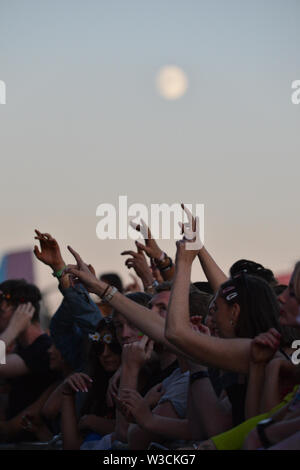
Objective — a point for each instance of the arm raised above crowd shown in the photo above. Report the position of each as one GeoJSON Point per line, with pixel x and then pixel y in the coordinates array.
{"type": "Point", "coordinates": [160, 259]}
{"type": "Point", "coordinates": [142, 317]}
{"type": "Point", "coordinates": [226, 354]}
{"type": "Point", "coordinates": [211, 269]}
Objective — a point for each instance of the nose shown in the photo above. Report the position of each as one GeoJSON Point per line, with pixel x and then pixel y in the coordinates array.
{"type": "Point", "coordinates": [282, 296]}
{"type": "Point", "coordinates": [106, 350]}
{"type": "Point", "coordinates": [155, 309]}
{"type": "Point", "coordinates": [126, 333]}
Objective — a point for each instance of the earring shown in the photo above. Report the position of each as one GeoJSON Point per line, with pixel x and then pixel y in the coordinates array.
{"type": "Point", "coordinates": [231, 322]}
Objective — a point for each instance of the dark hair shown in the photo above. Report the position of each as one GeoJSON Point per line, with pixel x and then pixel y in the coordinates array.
{"type": "Point", "coordinates": [256, 269]}
{"type": "Point", "coordinates": [204, 287]}
{"type": "Point", "coordinates": [18, 291]}
{"type": "Point", "coordinates": [259, 309]}
{"type": "Point", "coordinates": [95, 402]}
{"type": "Point", "coordinates": [279, 289]}
{"type": "Point", "coordinates": [139, 297]}
{"type": "Point", "coordinates": [113, 279]}
{"type": "Point", "coordinates": [198, 300]}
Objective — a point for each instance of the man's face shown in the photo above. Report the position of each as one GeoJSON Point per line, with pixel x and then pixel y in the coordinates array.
{"type": "Point", "coordinates": [125, 331]}
{"type": "Point", "coordinates": [159, 303]}
{"type": "Point", "coordinates": [6, 311]}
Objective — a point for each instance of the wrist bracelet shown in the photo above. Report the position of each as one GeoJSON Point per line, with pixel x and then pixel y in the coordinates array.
{"type": "Point", "coordinates": [59, 273]}
{"type": "Point", "coordinates": [201, 374]}
{"type": "Point", "coordinates": [152, 286]}
{"type": "Point", "coordinates": [107, 297]}
{"type": "Point", "coordinates": [261, 427]}
{"type": "Point", "coordinates": [106, 289]}
{"type": "Point", "coordinates": [169, 266]}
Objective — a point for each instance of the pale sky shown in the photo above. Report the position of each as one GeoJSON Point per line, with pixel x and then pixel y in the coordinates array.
{"type": "Point", "coordinates": [83, 122]}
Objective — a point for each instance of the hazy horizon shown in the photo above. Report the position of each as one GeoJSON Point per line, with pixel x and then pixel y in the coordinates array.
{"type": "Point", "coordinates": [84, 123]}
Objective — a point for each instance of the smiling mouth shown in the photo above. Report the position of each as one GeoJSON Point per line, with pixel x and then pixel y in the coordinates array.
{"type": "Point", "coordinates": [131, 341]}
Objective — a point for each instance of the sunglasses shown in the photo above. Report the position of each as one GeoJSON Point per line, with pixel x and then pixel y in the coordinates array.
{"type": "Point", "coordinates": [100, 340]}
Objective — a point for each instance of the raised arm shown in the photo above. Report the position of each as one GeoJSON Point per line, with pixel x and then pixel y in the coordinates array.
{"type": "Point", "coordinates": [226, 354]}
{"type": "Point", "coordinates": [143, 318]}
{"type": "Point", "coordinates": [49, 252]}
{"type": "Point", "coordinates": [212, 271]}
{"type": "Point", "coordinates": [77, 306]}
{"type": "Point", "coordinates": [161, 260]}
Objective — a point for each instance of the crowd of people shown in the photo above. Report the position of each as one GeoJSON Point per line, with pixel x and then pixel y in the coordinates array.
{"type": "Point", "coordinates": [160, 362]}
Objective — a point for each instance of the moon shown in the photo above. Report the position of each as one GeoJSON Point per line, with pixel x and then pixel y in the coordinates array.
{"type": "Point", "coordinates": [171, 82]}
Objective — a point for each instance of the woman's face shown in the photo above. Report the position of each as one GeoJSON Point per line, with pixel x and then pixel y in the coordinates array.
{"type": "Point", "coordinates": [56, 361]}
{"type": "Point", "coordinates": [289, 306]}
{"type": "Point", "coordinates": [109, 360]}
{"type": "Point", "coordinates": [224, 317]}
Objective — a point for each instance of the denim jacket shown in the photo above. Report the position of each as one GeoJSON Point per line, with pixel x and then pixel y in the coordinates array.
{"type": "Point", "coordinates": [75, 318]}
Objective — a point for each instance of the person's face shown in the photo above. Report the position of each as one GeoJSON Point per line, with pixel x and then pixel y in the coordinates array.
{"type": "Point", "coordinates": [289, 306]}
{"type": "Point", "coordinates": [126, 332]}
{"type": "Point", "coordinates": [159, 303]}
{"type": "Point", "coordinates": [6, 311]}
{"type": "Point", "coordinates": [56, 361]}
{"type": "Point", "coordinates": [109, 360]}
{"type": "Point", "coordinates": [224, 317]}
{"type": "Point", "coordinates": [209, 322]}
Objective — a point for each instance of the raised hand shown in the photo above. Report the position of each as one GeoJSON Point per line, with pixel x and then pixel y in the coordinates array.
{"type": "Point", "coordinates": [264, 346]}
{"type": "Point", "coordinates": [139, 263]}
{"type": "Point", "coordinates": [84, 272]}
{"type": "Point", "coordinates": [151, 247]}
{"type": "Point", "coordinates": [49, 252]}
{"type": "Point", "coordinates": [191, 231]}
{"type": "Point", "coordinates": [188, 248]}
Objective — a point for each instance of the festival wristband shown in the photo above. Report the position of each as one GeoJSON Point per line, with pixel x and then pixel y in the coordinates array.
{"type": "Point", "coordinates": [59, 273]}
